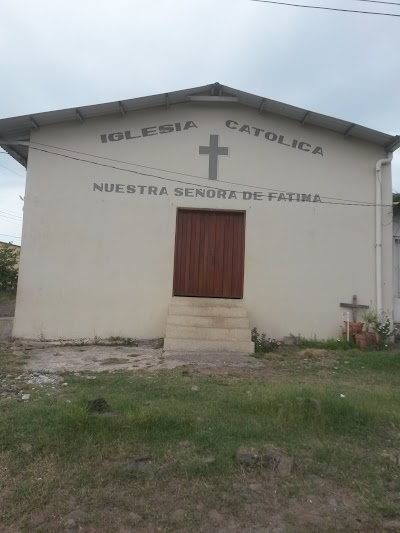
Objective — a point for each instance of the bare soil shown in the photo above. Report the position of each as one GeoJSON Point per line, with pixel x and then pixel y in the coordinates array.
{"type": "Point", "coordinates": [57, 358]}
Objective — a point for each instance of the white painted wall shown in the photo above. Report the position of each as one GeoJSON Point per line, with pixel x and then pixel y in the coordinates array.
{"type": "Point", "coordinates": [97, 263]}
{"type": "Point", "coordinates": [396, 265]}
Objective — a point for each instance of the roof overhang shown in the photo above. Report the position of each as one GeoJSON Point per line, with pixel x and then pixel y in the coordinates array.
{"type": "Point", "coordinates": [18, 129]}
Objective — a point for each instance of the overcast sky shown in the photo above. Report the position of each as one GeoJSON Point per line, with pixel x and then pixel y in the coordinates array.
{"type": "Point", "coordinates": [68, 54]}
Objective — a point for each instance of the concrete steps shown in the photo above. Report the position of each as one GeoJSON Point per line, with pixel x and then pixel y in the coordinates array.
{"type": "Point", "coordinates": [208, 325]}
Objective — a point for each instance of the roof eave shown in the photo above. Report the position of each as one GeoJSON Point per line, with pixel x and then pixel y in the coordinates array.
{"type": "Point", "coordinates": [19, 128]}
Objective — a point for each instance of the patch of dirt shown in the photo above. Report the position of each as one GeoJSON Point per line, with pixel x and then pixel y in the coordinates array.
{"type": "Point", "coordinates": [251, 506]}
{"type": "Point", "coordinates": [7, 308]}
{"type": "Point", "coordinates": [55, 358]}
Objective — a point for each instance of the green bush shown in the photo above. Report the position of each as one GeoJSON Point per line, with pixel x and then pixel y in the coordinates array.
{"type": "Point", "coordinates": [262, 343]}
{"type": "Point", "coordinates": [8, 269]}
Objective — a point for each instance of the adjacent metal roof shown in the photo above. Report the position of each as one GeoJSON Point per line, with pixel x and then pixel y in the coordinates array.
{"type": "Point", "coordinates": [19, 128]}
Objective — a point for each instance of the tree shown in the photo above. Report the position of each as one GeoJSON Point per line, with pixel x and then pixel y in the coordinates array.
{"type": "Point", "coordinates": [8, 268]}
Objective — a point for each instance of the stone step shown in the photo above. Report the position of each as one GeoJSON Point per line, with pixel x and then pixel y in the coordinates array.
{"type": "Point", "coordinates": [222, 311]}
{"type": "Point", "coordinates": [210, 334]}
{"type": "Point", "coordinates": [206, 302]}
{"type": "Point", "coordinates": [216, 321]}
{"type": "Point", "coordinates": [198, 345]}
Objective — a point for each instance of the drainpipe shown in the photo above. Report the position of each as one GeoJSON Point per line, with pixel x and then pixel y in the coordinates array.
{"type": "Point", "coordinates": [378, 230]}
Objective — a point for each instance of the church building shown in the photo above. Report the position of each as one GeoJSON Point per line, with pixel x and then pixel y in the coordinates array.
{"type": "Point", "coordinates": [197, 215]}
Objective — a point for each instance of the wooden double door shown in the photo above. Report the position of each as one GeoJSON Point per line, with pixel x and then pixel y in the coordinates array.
{"type": "Point", "coordinates": [209, 253]}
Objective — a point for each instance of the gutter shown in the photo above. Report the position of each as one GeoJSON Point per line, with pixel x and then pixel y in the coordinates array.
{"type": "Point", "coordinates": [378, 230]}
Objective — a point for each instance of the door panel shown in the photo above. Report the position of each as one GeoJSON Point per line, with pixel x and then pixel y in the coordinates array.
{"type": "Point", "coordinates": [209, 254]}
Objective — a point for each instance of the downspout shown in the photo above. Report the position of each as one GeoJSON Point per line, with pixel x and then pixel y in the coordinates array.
{"type": "Point", "coordinates": [378, 230]}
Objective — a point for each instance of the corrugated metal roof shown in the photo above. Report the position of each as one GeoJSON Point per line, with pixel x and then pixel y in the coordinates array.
{"type": "Point", "coordinates": [19, 128]}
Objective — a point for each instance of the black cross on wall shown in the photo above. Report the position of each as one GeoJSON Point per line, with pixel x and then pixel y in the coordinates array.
{"type": "Point", "coordinates": [213, 151]}
{"type": "Point", "coordinates": [354, 306]}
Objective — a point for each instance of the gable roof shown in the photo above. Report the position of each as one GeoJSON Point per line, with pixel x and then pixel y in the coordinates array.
{"type": "Point", "coordinates": [17, 129]}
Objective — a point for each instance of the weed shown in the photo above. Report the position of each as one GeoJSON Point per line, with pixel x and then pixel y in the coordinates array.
{"type": "Point", "coordinates": [328, 344]}
{"type": "Point", "coordinates": [262, 343]}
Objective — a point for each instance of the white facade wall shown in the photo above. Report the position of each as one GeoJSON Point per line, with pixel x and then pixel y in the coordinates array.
{"type": "Point", "coordinates": [101, 263]}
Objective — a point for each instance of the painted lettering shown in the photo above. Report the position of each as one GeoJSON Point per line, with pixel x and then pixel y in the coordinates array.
{"type": "Point", "coordinates": [153, 190]}
{"type": "Point", "coordinates": [283, 140]}
{"type": "Point", "coordinates": [232, 124]}
{"type": "Point", "coordinates": [221, 194]}
{"type": "Point", "coordinates": [128, 135]}
{"type": "Point", "coordinates": [109, 187]}
{"type": "Point", "coordinates": [97, 187]}
{"type": "Point", "coordinates": [131, 189]}
{"type": "Point", "coordinates": [166, 128]}
{"type": "Point", "coordinates": [189, 124]}
{"type": "Point", "coordinates": [115, 136]}
{"type": "Point", "coordinates": [146, 132]}
{"type": "Point", "coordinates": [178, 191]}
{"type": "Point", "coordinates": [245, 128]}
{"type": "Point", "coordinates": [280, 140]}
{"type": "Point", "coordinates": [302, 145]}
{"type": "Point", "coordinates": [103, 138]}
{"type": "Point", "coordinates": [270, 136]}
{"type": "Point", "coordinates": [119, 187]}
{"type": "Point", "coordinates": [317, 198]}
{"type": "Point", "coordinates": [318, 150]}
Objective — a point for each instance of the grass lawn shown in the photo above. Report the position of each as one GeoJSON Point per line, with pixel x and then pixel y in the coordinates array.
{"type": "Point", "coordinates": [165, 459]}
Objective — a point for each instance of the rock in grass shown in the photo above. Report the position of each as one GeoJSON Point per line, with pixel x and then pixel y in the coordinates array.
{"type": "Point", "coordinates": [142, 463]}
{"type": "Point", "coordinates": [247, 457]}
{"type": "Point", "coordinates": [278, 462]}
{"type": "Point", "coordinates": [98, 405]}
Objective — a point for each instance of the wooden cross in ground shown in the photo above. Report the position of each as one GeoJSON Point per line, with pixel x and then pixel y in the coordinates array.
{"type": "Point", "coordinates": [354, 306]}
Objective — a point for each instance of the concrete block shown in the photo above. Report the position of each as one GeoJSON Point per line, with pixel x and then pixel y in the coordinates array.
{"type": "Point", "coordinates": [209, 321]}
{"type": "Point", "coordinates": [198, 345]}
{"type": "Point", "coordinates": [233, 312]}
{"type": "Point", "coordinates": [218, 334]}
{"type": "Point", "coordinates": [208, 302]}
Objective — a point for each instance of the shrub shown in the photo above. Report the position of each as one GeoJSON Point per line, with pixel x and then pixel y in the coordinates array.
{"type": "Point", "coordinates": [8, 269]}
{"type": "Point", "coordinates": [262, 343]}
